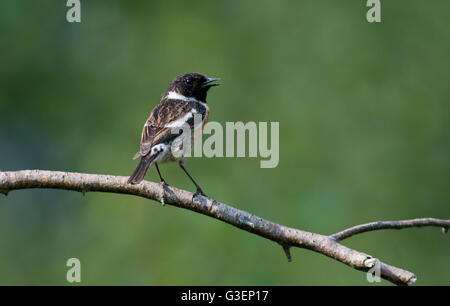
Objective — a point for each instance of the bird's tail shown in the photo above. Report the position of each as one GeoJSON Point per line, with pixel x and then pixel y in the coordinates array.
{"type": "Point", "coordinates": [141, 170]}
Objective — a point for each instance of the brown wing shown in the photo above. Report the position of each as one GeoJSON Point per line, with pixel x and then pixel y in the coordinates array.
{"type": "Point", "coordinates": [155, 130]}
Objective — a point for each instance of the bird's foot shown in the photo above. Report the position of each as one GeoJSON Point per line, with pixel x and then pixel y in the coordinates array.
{"type": "Point", "coordinates": [198, 192]}
{"type": "Point", "coordinates": [164, 185]}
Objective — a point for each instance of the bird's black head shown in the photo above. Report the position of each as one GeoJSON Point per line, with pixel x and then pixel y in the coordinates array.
{"type": "Point", "coordinates": [192, 85]}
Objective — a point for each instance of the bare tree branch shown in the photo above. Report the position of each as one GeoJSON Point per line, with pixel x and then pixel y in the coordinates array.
{"type": "Point", "coordinates": [379, 225]}
{"type": "Point", "coordinates": [285, 236]}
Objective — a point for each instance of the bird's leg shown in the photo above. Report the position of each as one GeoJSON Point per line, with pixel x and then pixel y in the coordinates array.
{"type": "Point", "coordinates": [199, 190]}
{"type": "Point", "coordinates": [163, 184]}
{"type": "Point", "coordinates": [162, 181]}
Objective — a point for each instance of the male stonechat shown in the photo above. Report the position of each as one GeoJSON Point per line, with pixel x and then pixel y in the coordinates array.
{"type": "Point", "coordinates": [161, 142]}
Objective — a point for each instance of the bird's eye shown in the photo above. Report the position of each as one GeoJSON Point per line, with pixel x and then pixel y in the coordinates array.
{"type": "Point", "coordinates": [188, 81]}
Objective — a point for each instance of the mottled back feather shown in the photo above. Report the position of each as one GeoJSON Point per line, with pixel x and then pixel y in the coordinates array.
{"type": "Point", "coordinates": [166, 112]}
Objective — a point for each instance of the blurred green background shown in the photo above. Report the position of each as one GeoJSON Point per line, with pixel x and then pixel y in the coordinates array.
{"type": "Point", "coordinates": [364, 136]}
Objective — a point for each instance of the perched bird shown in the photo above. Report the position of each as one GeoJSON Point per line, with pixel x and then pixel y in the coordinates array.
{"type": "Point", "coordinates": [162, 138]}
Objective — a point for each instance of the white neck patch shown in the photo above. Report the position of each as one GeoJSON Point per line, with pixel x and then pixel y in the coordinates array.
{"type": "Point", "coordinates": [176, 96]}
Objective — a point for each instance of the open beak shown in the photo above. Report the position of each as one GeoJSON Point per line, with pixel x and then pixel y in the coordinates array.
{"type": "Point", "coordinates": [209, 82]}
